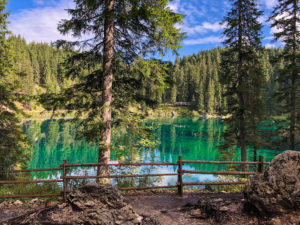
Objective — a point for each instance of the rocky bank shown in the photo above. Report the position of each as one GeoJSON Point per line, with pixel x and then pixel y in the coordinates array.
{"type": "Point", "coordinates": [277, 190]}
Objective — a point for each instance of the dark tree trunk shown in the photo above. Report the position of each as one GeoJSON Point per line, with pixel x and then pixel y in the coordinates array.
{"type": "Point", "coordinates": [242, 133]}
{"type": "Point", "coordinates": [254, 130]}
{"type": "Point", "coordinates": [294, 79]}
{"type": "Point", "coordinates": [108, 53]}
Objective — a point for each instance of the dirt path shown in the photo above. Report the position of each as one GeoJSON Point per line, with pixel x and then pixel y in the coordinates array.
{"type": "Point", "coordinates": [169, 208]}
{"type": "Point", "coordinates": [156, 208]}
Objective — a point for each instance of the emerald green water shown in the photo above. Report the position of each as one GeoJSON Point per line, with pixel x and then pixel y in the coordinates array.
{"type": "Point", "coordinates": [194, 139]}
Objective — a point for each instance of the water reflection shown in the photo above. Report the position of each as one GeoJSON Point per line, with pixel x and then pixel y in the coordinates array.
{"type": "Point", "coordinates": [194, 139]}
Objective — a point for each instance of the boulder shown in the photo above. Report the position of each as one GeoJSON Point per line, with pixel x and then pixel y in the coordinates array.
{"type": "Point", "coordinates": [102, 204]}
{"type": "Point", "coordinates": [277, 190]}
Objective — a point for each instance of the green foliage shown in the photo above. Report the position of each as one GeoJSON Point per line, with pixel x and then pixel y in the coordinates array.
{"type": "Point", "coordinates": [12, 140]}
{"type": "Point", "coordinates": [196, 80]}
{"type": "Point", "coordinates": [286, 19]}
{"type": "Point", "coordinates": [141, 29]}
{"type": "Point", "coordinates": [242, 75]}
{"type": "Point", "coordinates": [228, 188]}
{"type": "Point", "coordinates": [37, 69]}
{"type": "Point", "coordinates": [29, 189]}
{"type": "Point", "coordinates": [187, 80]}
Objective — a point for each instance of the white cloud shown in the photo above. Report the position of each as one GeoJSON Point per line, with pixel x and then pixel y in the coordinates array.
{"type": "Point", "coordinates": [212, 26]}
{"type": "Point", "coordinates": [269, 38]}
{"type": "Point", "coordinates": [40, 24]}
{"type": "Point", "coordinates": [205, 40]}
{"type": "Point", "coordinates": [270, 3]}
{"type": "Point", "coordinates": [197, 14]}
{"type": "Point", "coordinates": [263, 20]}
{"type": "Point", "coordinates": [203, 28]}
{"type": "Point", "coordinates": [286, 15]}
{"type": "Point", "coordinates": [45, 2]}
{"type": "Point", "coordinates": [39, 2]}
{"type": "Point", "coordinates": [174, 5]}
{"type": "Point", "coordinates": [269, 45]}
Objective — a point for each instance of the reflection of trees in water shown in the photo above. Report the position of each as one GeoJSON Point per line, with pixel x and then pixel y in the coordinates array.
{"type": "Point", "coordinates": [273, 144]}
{"type": "Point", "coordinates": [119, 182]}
{"type": "Point", "coordinates": [194, 139]}
{"type": "Point", "coordinates": [54, 141]}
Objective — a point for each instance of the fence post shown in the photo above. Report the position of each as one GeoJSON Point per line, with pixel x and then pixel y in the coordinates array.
{"type": "Point", "coordinates": [261, 164]}
{"type": "Point", "coordinates": [179, 181]}
{"type": "Point", "coordinates": [64, 180]}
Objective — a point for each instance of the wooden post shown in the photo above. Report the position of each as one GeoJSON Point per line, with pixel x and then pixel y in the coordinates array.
{"type": "Point", "coordinates": [261, 164]}
{"type": "Point", "coordinates": [179, 181]}
{"type": "Point", "coordinates": [64, 180]}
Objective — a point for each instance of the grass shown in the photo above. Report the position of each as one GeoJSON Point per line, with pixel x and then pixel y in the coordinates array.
{"type": "Point", "coordinates": [29, 189]}
{"type": "Point", "coordinates": [234, 188]}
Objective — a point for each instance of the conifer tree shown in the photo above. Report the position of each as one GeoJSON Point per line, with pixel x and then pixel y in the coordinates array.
{"type": "Point", "coordinates": [12, 140]}
{"type": "Point", "coordinates": [120, 32]}
{"type": "Point", "coordinates": [242, 74]}
{"type": "Point", "coordinates": [286, 19]}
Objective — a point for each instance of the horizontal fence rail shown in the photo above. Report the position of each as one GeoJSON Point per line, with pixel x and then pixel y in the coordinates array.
{"type": "Point", "coordinates": [218, 172]}
{"type": "Point", "coordinates": [28, 170]}
{"type": "Point", "coordinates": [223, 162]}
{"type": "Point", "coordinates": [120, 164]}
{"type": "Point", "coordinates": [146, 188]}
{"type": "Point", "coordinates": [65, 178]}
{"type": "Point", "coordinates": [29, 181]}
{"type": "Point", "coordinates": [120, 176]}
{"type": "Point", "coordinates": [30, 196]}
{"type": "Point", "coordinates": [214, 183]}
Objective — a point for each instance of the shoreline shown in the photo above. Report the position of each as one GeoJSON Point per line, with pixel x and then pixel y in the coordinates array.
{"type": "Point", "coordinates": [170, 112]}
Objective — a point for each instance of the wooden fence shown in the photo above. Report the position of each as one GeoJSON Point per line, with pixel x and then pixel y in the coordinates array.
{"type": "Point", "coordinates": [64, 168]}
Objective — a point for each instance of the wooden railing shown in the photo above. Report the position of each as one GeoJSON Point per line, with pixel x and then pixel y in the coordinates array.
{"type": "Point", "coordinates": [64, 168]}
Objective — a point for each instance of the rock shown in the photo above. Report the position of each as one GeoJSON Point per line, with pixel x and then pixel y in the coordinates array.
{"type": "Point", "coordinates": [275, 221]}
{"type": "Point", "coordinates": [150, 221]}
{"type": "Point", "coordinates": [61, 206]}
{"type": "Point", "coordinates": [4, 204]}
{"type": "Point", "coordinates": [102, 204]}
{"type": "Point", "coordinates": [102, 194]}
{"type": "Point", "coordinates": [277, 190]}
{"type": "Point", "coordinates": [18, 203]}
{"type": "Point", "coordinates": [224, 208]}
{"type": "Point", "coordinates": [49, 204]}
{"type": "Point", "coordinates": [196, 213]}
{"type": "Point", "coordinates": [218, 200]}
{"type": "Point", "coordinates": [37, 203]}
{"type": "Point", "coordinates": [217, 209]}
{"type": "Point", "coordinates": [56, 217]}
{"type": "Point", "coordinates": [33, 201]}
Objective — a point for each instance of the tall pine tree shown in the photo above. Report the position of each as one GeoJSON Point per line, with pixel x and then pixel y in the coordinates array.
{"type": "Point", "coordinates": [286, 19]}
{"type": "Point", "coordinates": [242, 74]}
{"type": "Point", "coordinates": [12, 140]}
{"type": "Point", "coordinates": [119, 33]}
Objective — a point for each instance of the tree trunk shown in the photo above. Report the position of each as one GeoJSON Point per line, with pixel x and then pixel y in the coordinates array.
{"type": "Point", "coordinates": [294, 79]}
{"type": "Point", "coordinates": [108, 53]}
{"type": "Point", "coordinates": [242, 133]}
{"type": "Point", "coordinates": [255, 157]}
{"type": "Point", "coordinates": [293, 112]}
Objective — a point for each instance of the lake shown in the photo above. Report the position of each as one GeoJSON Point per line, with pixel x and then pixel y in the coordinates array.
{"type": "Point", "coordinates": [194, 139]}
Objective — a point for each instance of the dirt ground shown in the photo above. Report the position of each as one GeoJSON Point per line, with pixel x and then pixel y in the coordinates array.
{"type": "Point", "coordinates": [165, 208]}
{"type": "Point", "coordinates": [217, 208]}
{"type": "Point", "coordinates": [169, 208]}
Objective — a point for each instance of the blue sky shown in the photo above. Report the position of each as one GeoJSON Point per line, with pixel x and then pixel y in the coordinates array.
{"type": "Point", "coordinates": [36, 20]}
